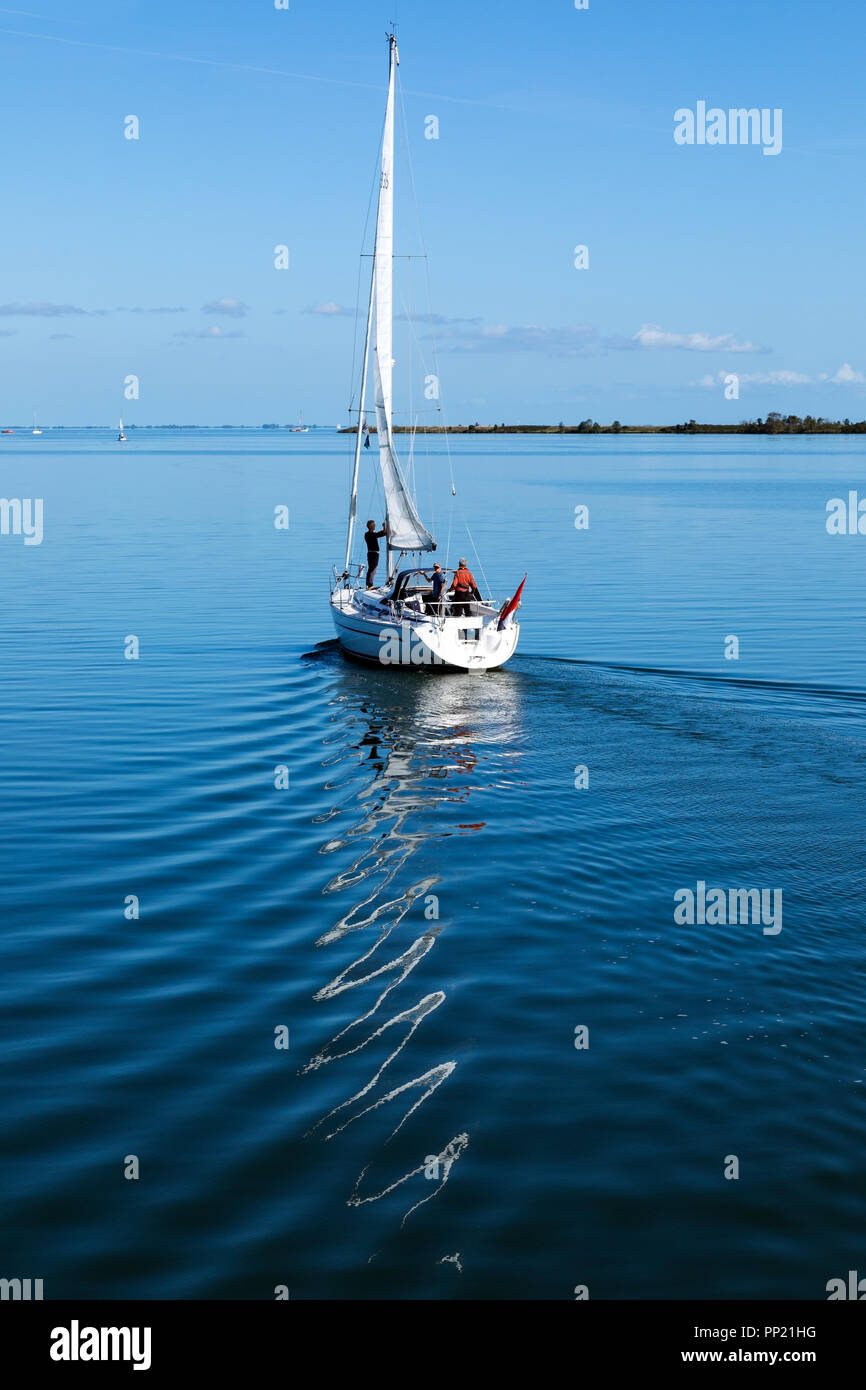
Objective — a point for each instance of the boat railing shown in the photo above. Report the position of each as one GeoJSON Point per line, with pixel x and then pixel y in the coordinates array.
{"type": "Point", "coordinates": [343, 579]}
{"type": "Point", "coordinates": [483, 608]}
{"type": "Point", "coordinates": [398, 609]}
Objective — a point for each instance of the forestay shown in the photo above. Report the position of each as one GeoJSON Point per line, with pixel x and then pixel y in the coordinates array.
{"type": "Point", "coordinates": [406, 530]}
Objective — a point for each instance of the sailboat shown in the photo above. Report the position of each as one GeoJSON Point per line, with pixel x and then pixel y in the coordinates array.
{"type": "Point", "coordinates": [300, 427]}
{"type": "Point", "coordinates": [36, 429]}
{"type": "Point", "coordinates": [121, 437]}
{"type": "Point", "coordinates": [398, 624]}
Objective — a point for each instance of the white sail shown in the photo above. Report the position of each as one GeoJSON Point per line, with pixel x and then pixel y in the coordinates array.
{"type": "Point", "coordinates": [406, 531]}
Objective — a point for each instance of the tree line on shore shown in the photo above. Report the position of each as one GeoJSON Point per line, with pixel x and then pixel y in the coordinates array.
{"type": "Point", "coordinates": [775, 423]}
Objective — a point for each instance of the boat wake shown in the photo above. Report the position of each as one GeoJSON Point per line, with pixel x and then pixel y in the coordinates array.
{"type": "Point", "coordinates": [713, 678]}
{"type": "Point", "coordinates": [404, 764]}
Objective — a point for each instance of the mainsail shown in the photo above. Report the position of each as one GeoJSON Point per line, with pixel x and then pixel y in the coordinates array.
{"type": "Point", "coordinates": [406, 531]}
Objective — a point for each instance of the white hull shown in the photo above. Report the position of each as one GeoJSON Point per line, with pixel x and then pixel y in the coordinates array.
{"type": "Point", "coordinates": [400, 636]}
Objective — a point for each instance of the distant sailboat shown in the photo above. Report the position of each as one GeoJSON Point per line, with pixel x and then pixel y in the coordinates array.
{"type": "Point", "coordinates": [36, 429]}
{"type": "Point", "coordinates": [300, 427]}
{"type": "Point", "coordinates": [401, 622]}
{"type": "Point", "coordinates": [121, 437]}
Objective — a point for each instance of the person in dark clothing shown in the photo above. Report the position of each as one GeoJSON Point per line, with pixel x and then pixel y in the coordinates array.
{"type": "Point", "coordinates": [464, 589]}
{"type": "Point", "coordinates": [437, 579]}
{"type": "Point", "coordinates": [371, 536]}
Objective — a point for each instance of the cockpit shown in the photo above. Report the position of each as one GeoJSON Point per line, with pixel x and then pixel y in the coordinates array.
{"type": "Point", "coordinates": [404, 588]}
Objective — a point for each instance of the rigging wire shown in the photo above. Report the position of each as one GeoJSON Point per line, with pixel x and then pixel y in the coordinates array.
{"type": "Point", "coordinates": [421, 354]}
{"type": "Point", "coordinates": [434, 344]}
{"type": "Point", "coordinates": [355, 385]}
{"type": "Point", "coordinates": [475, 553]}
{"type": "Point", "coordinates": [407, 301]}
{"type": "Point", "coordinates": [358, 317]}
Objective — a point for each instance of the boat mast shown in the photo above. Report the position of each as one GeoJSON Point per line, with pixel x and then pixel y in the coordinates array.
{"type": "Point", "coordinates": [383, 274]}
{"type": "Point", "coordinates": [375, 278]}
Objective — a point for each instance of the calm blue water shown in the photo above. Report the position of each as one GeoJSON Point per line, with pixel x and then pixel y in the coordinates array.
{"type": "Point", "coordinates": [432, 907]}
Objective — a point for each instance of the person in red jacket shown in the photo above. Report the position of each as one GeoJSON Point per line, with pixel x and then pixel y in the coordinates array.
{"type": "Point", "coordinates": [463, 590]}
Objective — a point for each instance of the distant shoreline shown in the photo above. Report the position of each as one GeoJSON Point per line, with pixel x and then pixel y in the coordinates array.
{"type": "Point", "coordinates": [774, 424]}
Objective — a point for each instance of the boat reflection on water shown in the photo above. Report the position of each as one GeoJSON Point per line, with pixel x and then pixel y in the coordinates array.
{"type": "Point", "coordinates": [405, 759]}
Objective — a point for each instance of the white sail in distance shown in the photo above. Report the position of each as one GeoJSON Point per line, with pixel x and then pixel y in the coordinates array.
{"type": "Point", "coordinates": [406, 531]}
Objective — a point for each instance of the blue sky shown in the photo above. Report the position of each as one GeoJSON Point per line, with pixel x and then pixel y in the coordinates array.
{"type": "Point", "coordinates": [259, 127]}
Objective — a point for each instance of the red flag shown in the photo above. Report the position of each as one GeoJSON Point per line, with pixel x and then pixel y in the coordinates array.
{"type": "Point", "coordinates": [509, 607]}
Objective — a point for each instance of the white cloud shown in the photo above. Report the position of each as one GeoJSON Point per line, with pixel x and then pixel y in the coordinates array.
{"type": "Point", "coordinates": [781, 377]}
{"type": "Point", "coordinates": [212, 332]}
{"type": "Point", "coordinates": [330, 309]}
{"type": "Point", "coordinates": [235, 308]}
{"type": "Point", "coordinates": [778, 377]}
{"type": "Point", "coordinates": [650, 335]}
{"type": "Point", "coordinates": [574, 341]}
{"type": "Point", "coordinates": [846, 376]}
{"type": "Point", "coordinates": [579, 340]}
{"type": "Point", "coordinates": [48, 311]}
